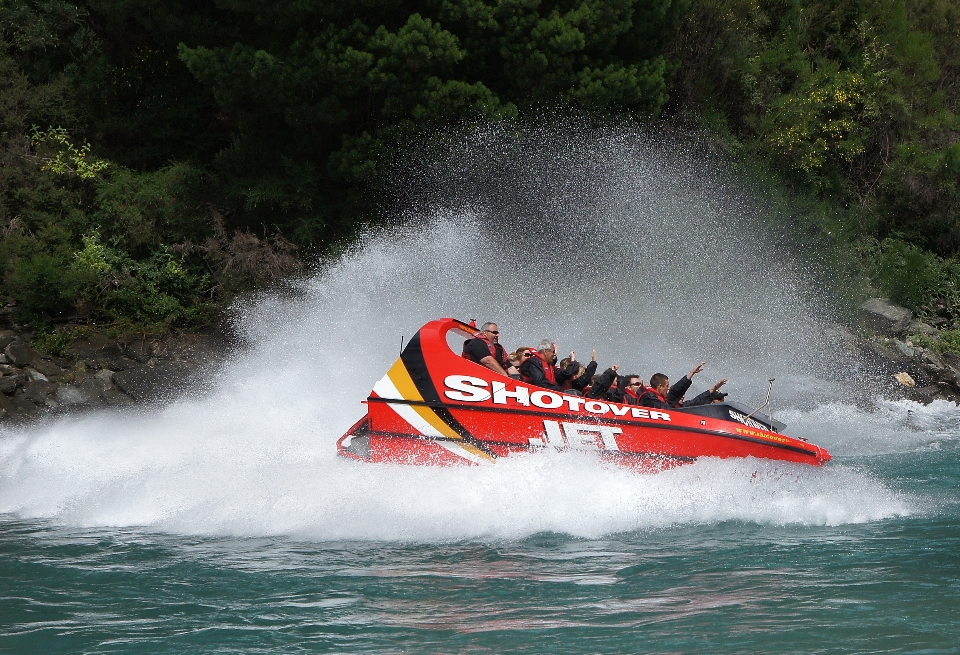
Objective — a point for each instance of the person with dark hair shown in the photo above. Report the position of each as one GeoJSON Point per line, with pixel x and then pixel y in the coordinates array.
{"type": "Point", "coordinates": [485, 349]}
{"type": "Point", "coordinates": [633, 389]}
{"type": "Point", "coordinates": [661, 395]}
{"type": "Point", "coordinates": [611, 386]}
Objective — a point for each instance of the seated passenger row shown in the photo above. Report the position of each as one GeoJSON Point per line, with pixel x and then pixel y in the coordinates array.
{"type": "Point", "coordinates": [537, 366]}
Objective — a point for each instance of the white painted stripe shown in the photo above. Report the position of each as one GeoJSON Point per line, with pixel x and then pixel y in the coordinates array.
{"type": "Point", "coordinates": [386, 389]}
{"type": "Point", "coordinates": [460, 451]}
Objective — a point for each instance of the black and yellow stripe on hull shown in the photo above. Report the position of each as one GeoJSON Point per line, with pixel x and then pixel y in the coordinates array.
{"type": "Point", "coordinates": [411, 378]}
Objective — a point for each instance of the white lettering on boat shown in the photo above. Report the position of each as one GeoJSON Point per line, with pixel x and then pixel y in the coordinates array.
{"type": "Point", "coordinates": [554, 435]}
{"type": "Point", "coordinates": [596, 407]}
{"type": "Point", "coordinates": [500, 394]}
{"type": "Point", "coordinates": [746, 420]}
{"type": "Point", "coordinates": [546, 399]}
{"type": "Point", "coordinates": [579, 436]}
{"type": "Point", "coordinates": [573, 402]}
{"type": "Point", "coordinates": [465, 388]}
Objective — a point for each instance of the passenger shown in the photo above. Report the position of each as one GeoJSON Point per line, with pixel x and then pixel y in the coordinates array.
{"type": "Point", "coordinates": [485, 349]}
{"type": "Point", "coordinates": [708, 397]}
{"type": "Point", "coordinates": [661, 395]}
{"type": "Point", "coordinates": [608, 386]}
{"type": "Point", "coordinates": [632, 390]}
{"type": "Point", "coordinates": [583, 374]}
{"type": "Point", "coordinates": [540, 370]}
{"type": "Point", "coordinates": [514, 359]}
{"type": "Point", "coordinates": [517, 358]}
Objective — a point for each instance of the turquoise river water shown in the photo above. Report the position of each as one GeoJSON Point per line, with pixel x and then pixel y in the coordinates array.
{"type": "Point", "coordinates": [222, 520]}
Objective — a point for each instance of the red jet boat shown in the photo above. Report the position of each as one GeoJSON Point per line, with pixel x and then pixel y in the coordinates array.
{"type": "Point", "coordinates": [435, 407]}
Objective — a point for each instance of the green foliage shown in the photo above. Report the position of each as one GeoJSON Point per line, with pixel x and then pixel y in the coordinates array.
{"type": "Point", "coordinates": [157, 156]}
{"type": "Point", "coordinates": [157, 289]}
{"type": "Point", "coordinates": [949, 342]}
{"type": "Point", "coordinates": [328, 96]}
{"type": "Point", "coordinates": [917, 278]}
{"type": "Point", "coordinates": [43, 285]}
{"type": "Point", "coordinates": [856, 102]}
{"type": "Point", "coordinates": [66, 159]}
{"type": "Point", "coordinates": [53, 342]}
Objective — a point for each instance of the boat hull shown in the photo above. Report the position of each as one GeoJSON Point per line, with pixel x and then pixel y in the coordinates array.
{"type": "Point", "coordinates": [435, 408]}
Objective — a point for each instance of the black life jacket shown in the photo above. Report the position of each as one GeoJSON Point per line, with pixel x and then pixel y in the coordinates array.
{"type": "Point", "coordinates": [496, 350]}
{"type": "Point", "coordinates": [548, 371]}
{"type": "Point", "coordinates": [648, 390]}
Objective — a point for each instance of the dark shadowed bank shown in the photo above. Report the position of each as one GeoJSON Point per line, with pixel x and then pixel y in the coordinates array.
{"type": "Point", "coordinates": [100, 369]}
{"type": "Point", "coordinates": [899, 357]}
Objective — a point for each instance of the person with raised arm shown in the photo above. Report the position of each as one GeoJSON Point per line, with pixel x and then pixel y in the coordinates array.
{"type": "Point", "coordinates": [581, 375]}
{"type": "Point", "coordinates": [661, 395]}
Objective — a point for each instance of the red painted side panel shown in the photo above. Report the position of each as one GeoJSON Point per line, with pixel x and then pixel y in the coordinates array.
{"type": "Point", "coordinates": [500, 415]}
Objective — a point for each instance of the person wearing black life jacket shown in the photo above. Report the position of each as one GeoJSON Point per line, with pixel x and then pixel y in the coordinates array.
{"type": "Point", "coordinates": [606, 386]}
{"type": "Point", "coordinates": [661, 395]}
{"type": "Point", "coordinates": [582, 376]}
{"type": "Point", "coordinates": [485, 349]}
{"type": "Point", "coordinates": [540, 370]}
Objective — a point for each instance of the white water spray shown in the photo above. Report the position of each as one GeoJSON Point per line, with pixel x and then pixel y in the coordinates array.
{"type": "Point", "coordinates": [604, 239]}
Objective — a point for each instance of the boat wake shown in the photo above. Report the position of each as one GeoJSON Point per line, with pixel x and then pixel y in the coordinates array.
{"type": "Point", "coordinates": [653, 264]}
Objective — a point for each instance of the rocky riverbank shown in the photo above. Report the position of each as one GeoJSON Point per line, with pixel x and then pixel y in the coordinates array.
{"type": "Point", "coordinates": [97, 370]}
{"type": "Point", "coordinates": [907, 354]}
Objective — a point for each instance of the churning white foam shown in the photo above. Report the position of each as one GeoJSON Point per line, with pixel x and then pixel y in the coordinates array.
{"type": "Point", "coordinates": [255, 454]}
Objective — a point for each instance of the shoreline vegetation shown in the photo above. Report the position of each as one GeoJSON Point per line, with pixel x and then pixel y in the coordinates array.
{"type": "Point", "coordinates": [44, 375]}
{"type": "Point", "coordinates": [157, 159]}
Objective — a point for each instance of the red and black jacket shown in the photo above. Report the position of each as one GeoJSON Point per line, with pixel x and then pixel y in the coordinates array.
{"type": "Point", "coordinates": [652, 398]}
{"type": "Point", "coordinates": [538, 372]}
{"type": "Point", "coordinates": [495, 349]}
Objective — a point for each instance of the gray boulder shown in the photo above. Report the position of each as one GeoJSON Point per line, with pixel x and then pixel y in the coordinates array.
{"type": "Point", "coordinates": [105, 376]}
{"type": "Point", "coordinates": [9, 384]}
{"type": "Point", "coordinates": [148, 383]}
{"type": "Point", "coordinates": [881, 315]}
{"type": "Point", "coordinates": [138, 350]}
{"type": "Point", "coordinates": [20, 354]}
{"type": "Point", "coordinates": [33, 375]}
{"type": "Point", "coordinates": [932, 359]}
{"type": "Point", "coordinates": [905, 350]}
{"type": "Point", "coordinates": [39, 390]}
{"type": "Point", "coordinates": [47, 367]}
{"type": "Point", "coordinates": [918, 327]}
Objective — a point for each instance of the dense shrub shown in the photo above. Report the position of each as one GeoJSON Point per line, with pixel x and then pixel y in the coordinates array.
{"type": "Point", "coordinates": [157, 156]}
{"type": "Point", "coordinates": [918, 279]}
